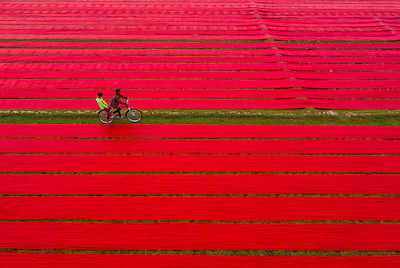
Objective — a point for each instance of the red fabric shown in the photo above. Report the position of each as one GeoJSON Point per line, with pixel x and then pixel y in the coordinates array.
{"type": "Point", "coordinates": [245, 75]}
{"type": "Point", "coordinates": [161, 66]}
{"type": "Point", "coordinates": [178, 184]}
{"type": "Point", "coordinates": [230, 104]}
{"type": "Point", "coordinates": [197, 131]}
{"type": "Point", "coordinates": [164, 146]}
{"type": "Point", "coordinates": [199, 52]}
{"type": "Point", "coordinates": [12, 260]}
{"type": "Point", "coordinates": [208, 93]}
{"type": "Point", "coordinates": [118, 36]}
{"type": "Point", "coordinates": [201, 59]}
{"type": "Point", "coordinates": [153, 45]}
{"type": "Point", "coordinates": [229, 209]}
{"type": "Point", "coordinates": [156, 58]}
{"type": "Point", "coordinates": [200, 236]}
{"type": "Point", "coordinates": [203, 163]}
{"type": "Point", "coordinates": [250, 66]}
{"type": "Point", "coordinates": [181, 75]}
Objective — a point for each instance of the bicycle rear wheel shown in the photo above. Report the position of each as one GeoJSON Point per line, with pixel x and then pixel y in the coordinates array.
{"type": "Point", "coordinates": [134, 115]}
{"type": "Point", "coordinates": [103, 117]}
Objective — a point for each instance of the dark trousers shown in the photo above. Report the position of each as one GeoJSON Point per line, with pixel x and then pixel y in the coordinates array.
{"type": "Point", "coordinates": [118, 111]}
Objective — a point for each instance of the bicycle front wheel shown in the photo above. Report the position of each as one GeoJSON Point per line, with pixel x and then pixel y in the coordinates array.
{"type": "Point", "coordinates": [134, 115]}
{"type": "Point", "coordinates": [103, 117]}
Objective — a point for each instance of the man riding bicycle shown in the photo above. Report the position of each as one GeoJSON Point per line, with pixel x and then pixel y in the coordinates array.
{"type": "Point", "coordinates": [116, 100]}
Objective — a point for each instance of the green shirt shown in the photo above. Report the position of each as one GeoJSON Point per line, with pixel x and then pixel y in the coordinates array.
{"type": "Point", "coordinates": [102, 103]}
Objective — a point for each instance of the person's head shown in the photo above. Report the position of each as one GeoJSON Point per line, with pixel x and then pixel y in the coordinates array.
{"type": "Point", "coordinates": [117, 91]}
{"type": "Point", "coordinates": [100, 95]}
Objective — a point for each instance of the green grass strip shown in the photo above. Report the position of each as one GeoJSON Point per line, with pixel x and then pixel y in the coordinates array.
{"type": "Point", "coordinates": [307, 116]}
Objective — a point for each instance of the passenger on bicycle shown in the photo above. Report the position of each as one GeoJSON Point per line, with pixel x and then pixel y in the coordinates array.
{"type": "Point", "coordinates": [116, 100]}
{"type": "Point", "coordinates": [103, 105]}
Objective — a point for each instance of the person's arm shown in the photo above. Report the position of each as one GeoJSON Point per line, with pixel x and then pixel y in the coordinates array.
{"type": "Point", "coordinates": [105, 104]}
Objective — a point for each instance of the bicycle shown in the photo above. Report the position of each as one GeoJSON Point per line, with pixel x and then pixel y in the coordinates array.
{"type": "Point", "coordinates": [132, 114]}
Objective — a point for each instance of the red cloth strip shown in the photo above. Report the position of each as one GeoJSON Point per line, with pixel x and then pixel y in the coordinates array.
{"type": "Point", "coordinates": [198, 52]}
{"type": "Point", "coordinates": [339, 67]}
{"type": "Point", "coordinates": [244, 104]}
{"type": "Point", "coordinates": [202, 163]}
{"type": "Point", "coordinates": [206, 93]}
{"type": "Point", "coordinates": [175, 45]}
{"type": "Point", "coordinates": [12, 260]}
{"type": "Point", "coordinates": [250, 29]}
{"type": "Point", "coordinates": [198, 131]}
{"type": "Point", "coordinates": [168, 59]}
{"type": "Point", "coordinates": [203, 236]}
{"type": "Point", "coordinates": [163, 146]}
{"type": "Point", "coordinates": [188, 75]}
{"type": "Point", "coordinates": [145, 33]}
{"type": "Point", "coordinates": [164, 66]}
{"type": "Point", "coordinates": [116, 208]}
{"type": "Point", "coordinates": [328, 37]}
{"type": "Point", "coordinates": [222, 75]}
{"type": "Point", "coordinates": [178, 184]}
{"type": "Point", "coordinates": [153, 45]}
{"type": "Point", "coordinates": [8, 66]}
{"type": "Point", "coordinates": [196, 84]}
{"type": "Point", "coordinates": [195, 93]}
{"type": "Point", "coordinates": [200, 59]}
{"type": "Point", "coordinates": [118, 36]}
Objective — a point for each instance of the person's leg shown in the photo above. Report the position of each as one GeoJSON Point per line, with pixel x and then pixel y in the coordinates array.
{"type": "Point", "coordinates": [108, 113]}
{"type": "Point", "coordinates": [118, 111]}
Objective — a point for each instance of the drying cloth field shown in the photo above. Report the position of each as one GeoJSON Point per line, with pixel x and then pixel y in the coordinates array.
{"type": "Point", "coordinates": [199, 195]}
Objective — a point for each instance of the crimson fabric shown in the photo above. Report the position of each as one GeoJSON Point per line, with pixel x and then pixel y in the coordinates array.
{"type": "Point", "coordinates": [201, 59]}
{"type": "Point", "coordinates": [203, 163]}
{"type": "Point", "coordinates": [199, 52]}
{"type": "Point", "coordinates": [207, 20]}
{"type": "Point", "coordinates": [105, 36]}
{"type": "Point", "coordinates": [196, 84]}
{"type": "Point", "coordinates": [200, 236]}
{"type": "Point", "coordinates": [153, 66]}
{"type": "Point", "coordinates": [159, 58]}
{"type": "Point", "coordinates": [177, 184]}
{"type": "Point", "coordinates": [12, 260]}
{"type": "Point", "coordinates": [153, 45]}
{"type": "Point", "coordinates": [163, 146]}
{"type": "Point", "coordinates": [209, 93]}
{"type": "Point", "coordinates": [196, 67]}
{"type": "Point", "coordinates": [230, 104]}
{"type": "Point", "coordinates": [197, 131]}
{"type": "Point", "coordinates": [200, 208]}
{"type": "Point", "coordinates": [250, 75]}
